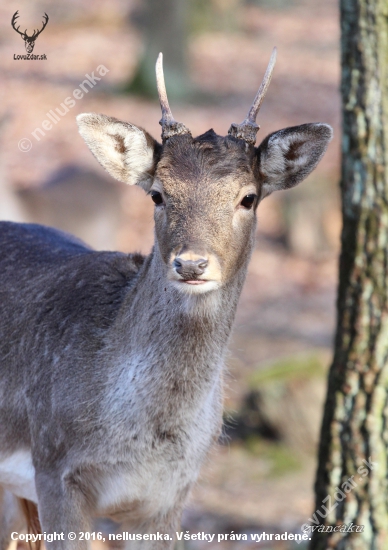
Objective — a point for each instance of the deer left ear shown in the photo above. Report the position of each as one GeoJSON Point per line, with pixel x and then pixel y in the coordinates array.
{"type": "Point", "coordinates": [287, 157]}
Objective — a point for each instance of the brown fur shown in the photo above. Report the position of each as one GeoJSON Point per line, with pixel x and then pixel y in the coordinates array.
{"type": "Point", "coordinates": [30, 513]}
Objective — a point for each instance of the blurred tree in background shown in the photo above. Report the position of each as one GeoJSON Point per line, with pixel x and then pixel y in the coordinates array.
{"type": "Point", "coordinates": [164, 25]}
{"type": "Point", "coordinates": [167, 26]}
{"type": "Point", "coordinates": [354, 439]}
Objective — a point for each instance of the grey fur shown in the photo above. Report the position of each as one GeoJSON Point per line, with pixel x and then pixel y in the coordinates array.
{"type": "Point", "coordinates": [111, 364]}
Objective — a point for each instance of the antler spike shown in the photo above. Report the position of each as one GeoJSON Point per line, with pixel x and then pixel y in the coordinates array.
{"type": "Point", "coordinates": [170, 127]}
{"type": "Point", "coordinates": [166, 111]}
{"type": "Point", "coordinates": [248, 129]}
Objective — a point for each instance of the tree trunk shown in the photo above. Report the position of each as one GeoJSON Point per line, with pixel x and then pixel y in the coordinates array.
{"type": "Point", "coordinates": [351, 485]}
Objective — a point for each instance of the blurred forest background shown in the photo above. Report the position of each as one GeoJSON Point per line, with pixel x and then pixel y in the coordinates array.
{"type": "Point", "coordinates": [261, 476]}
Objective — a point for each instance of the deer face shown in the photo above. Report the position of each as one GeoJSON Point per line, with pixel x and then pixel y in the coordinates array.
{"type": "Point", "coordinates": [205, 195]}
{"type": "Point", "coordinates": [205, 189]}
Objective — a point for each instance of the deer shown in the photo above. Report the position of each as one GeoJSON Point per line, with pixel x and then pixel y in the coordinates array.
{"type": "Point", "coordinates": [111, 364]}
{"type": "Point", "coordinates": [29, 41]}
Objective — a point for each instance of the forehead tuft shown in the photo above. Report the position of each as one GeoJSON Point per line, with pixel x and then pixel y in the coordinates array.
{"type": "Point", "coordinates": [208, 156]}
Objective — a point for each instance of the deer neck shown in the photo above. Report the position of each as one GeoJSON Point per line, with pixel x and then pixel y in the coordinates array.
{"type": "Point", "coordinates": [182, 317]}
{"type": "Point", "coordinates": [173, 344]}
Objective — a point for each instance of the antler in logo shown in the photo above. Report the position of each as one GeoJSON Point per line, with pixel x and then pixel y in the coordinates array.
{"type": "Point", "coordinates": [29, 40]}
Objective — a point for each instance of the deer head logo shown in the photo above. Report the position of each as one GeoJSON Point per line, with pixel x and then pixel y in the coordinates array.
{"type": "Point", "coordinates": [29, 41]}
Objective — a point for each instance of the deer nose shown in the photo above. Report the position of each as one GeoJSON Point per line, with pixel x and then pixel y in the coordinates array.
{"type": "Point", "coordinates": [190, 269]}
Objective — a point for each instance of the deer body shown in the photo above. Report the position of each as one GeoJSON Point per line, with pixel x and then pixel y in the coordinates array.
{"type": "Point", "coordinates": [111, 364]}
{"type": "Point", "coordinates": [141, 428]}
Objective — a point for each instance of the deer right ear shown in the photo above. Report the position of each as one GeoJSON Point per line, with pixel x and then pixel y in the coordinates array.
{"type": "Point", "coordinates": [128, 153]}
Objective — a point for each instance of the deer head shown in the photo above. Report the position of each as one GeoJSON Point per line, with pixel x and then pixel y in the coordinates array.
{"type": "Point", "coordinates": [206, 189]}
{"type": "Point", "coordinates": [29, 41]}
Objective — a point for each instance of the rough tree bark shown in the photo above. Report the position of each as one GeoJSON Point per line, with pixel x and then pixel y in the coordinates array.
{"type": "Point", "coordinates": [355, 423]}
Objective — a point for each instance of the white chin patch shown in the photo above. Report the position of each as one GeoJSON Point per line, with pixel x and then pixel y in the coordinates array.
{"type": "Point", "coordinates": [188, 288]}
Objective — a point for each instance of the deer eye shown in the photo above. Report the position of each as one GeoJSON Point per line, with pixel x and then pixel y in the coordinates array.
{"type": "Point", "coordinates": [157, 197]}
{"type": "Point", "coordinates": [248, 201]}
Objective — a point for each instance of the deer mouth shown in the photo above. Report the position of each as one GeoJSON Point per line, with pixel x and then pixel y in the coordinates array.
{"type": "Point", "coordinates": [195, 281]}
{"type": "Point", "coordinates": [195, 286]}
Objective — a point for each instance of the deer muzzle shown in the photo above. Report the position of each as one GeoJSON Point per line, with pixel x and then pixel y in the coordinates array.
{"type": "Point", "coordinates": [191, 269]}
